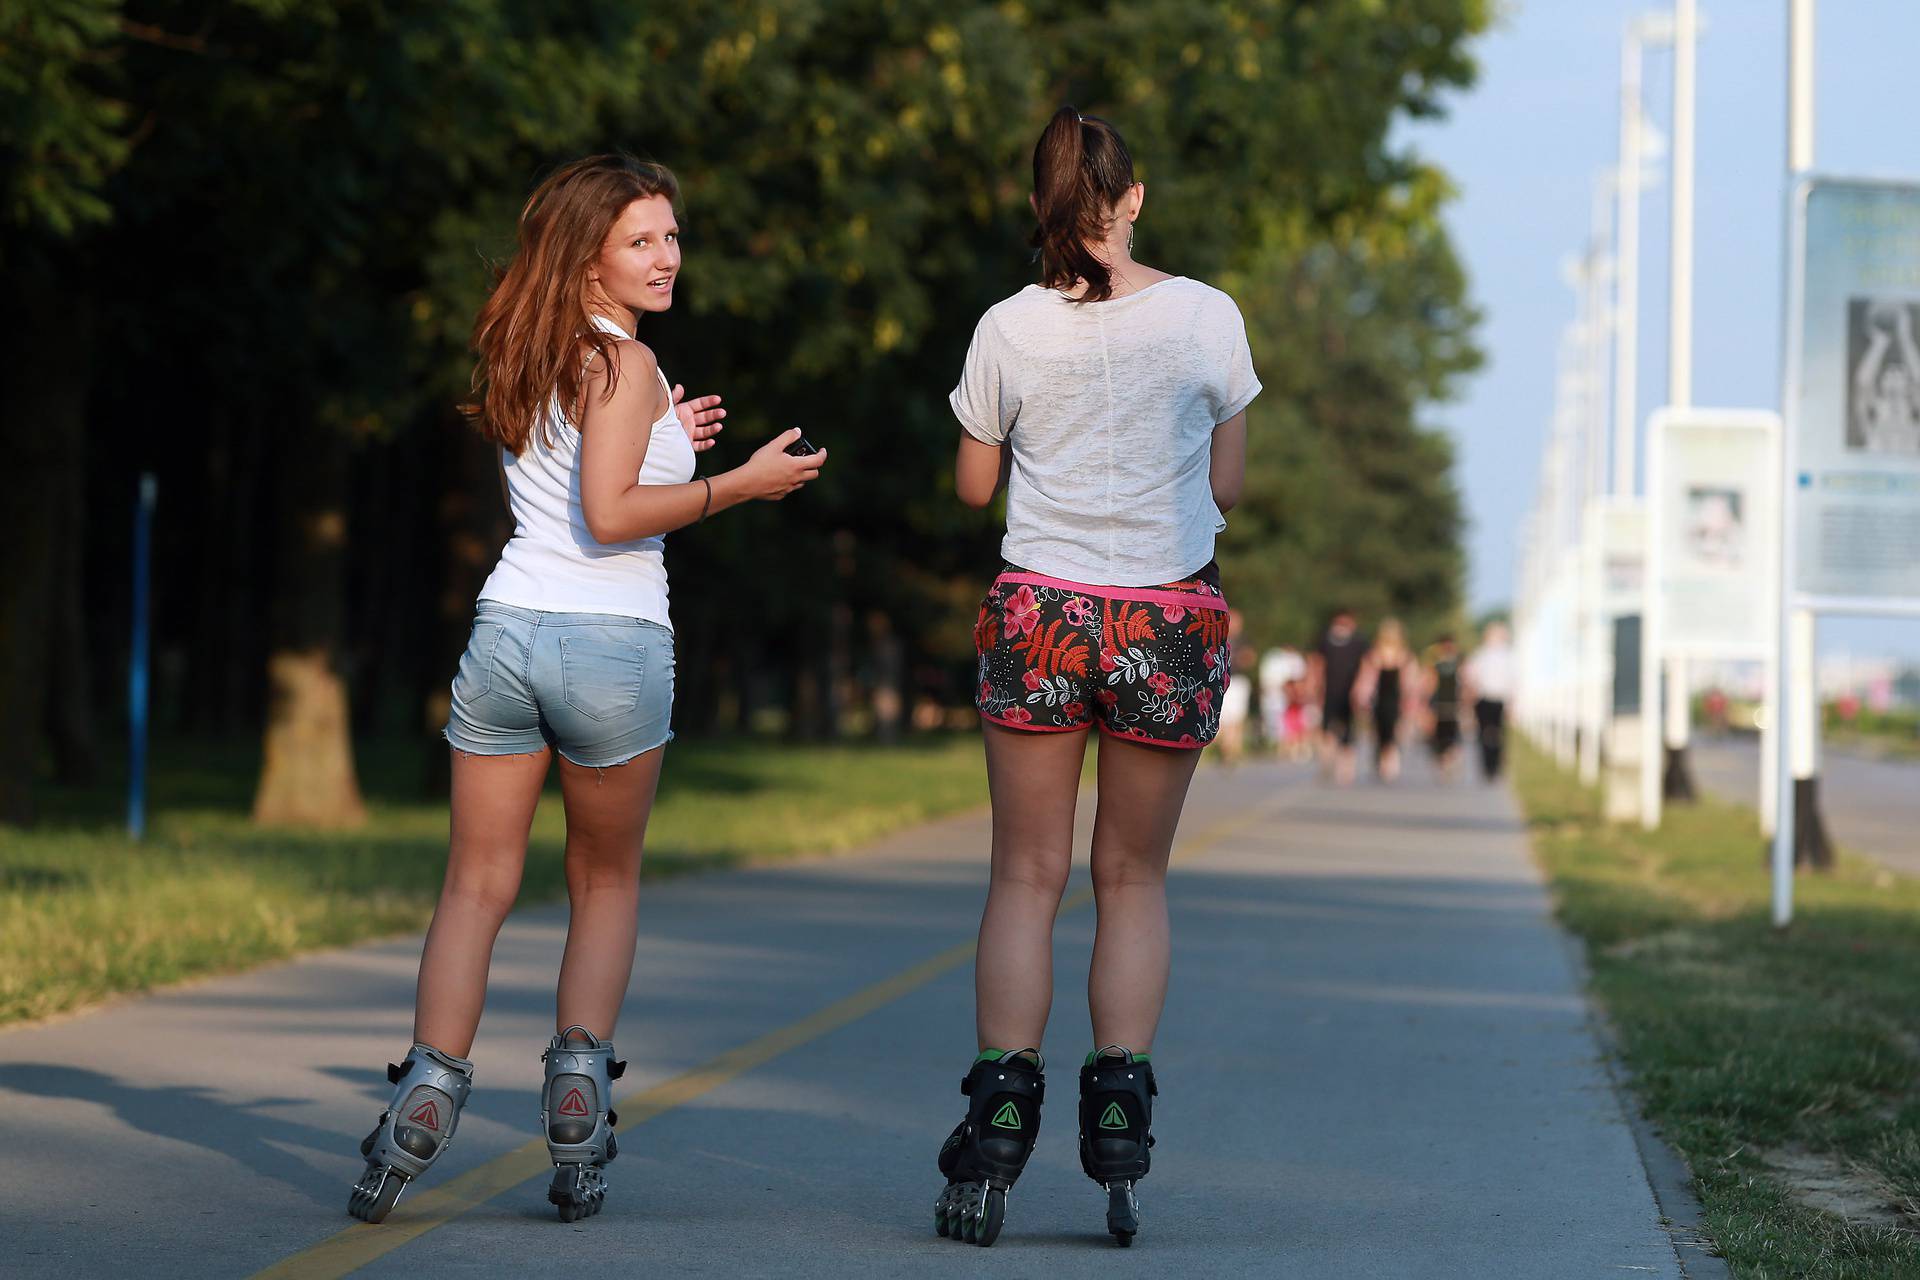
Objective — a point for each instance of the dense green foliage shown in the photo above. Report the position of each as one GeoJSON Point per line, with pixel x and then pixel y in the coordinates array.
{"type": "Point", "coordinates": [1781, 1065]}
{"type": "Point", "coordinates": [272, 221]}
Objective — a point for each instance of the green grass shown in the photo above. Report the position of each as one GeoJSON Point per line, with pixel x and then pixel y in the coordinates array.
{"type": "Point", "coordinates": [1890, 733]}
{"type": "Point", "coordinates": [1766, 1058]}
{"type": "Point", "coordinates": [85, 913]}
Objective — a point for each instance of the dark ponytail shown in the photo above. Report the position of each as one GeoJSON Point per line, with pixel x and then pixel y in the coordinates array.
{"type": "Point", "coordinates": [1081, 168]}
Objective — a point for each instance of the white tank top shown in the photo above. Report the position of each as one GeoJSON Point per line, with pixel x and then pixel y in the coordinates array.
{"type": "Point", "coordinates": [552, 563]}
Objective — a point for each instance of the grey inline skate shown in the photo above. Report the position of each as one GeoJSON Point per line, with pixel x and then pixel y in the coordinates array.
{"type": "Point", "coordinates": [430, 1088]}
{"type": "Point", "coordinates": [576, 1113]}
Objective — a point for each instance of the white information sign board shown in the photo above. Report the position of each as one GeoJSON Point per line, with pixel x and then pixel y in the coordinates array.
{"type": "Point", "coordinates": [1713, 481]}
{"type": "Point", "coordinates": [1620, 534]}
{"type": "Point", "coordinates": [1853, 399]}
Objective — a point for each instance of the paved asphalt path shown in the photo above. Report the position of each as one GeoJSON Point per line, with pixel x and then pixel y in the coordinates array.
{"type": "Point", "coordinates": [1872, 806]}
{"type": "Point", "coordinates": [1375, 1062]}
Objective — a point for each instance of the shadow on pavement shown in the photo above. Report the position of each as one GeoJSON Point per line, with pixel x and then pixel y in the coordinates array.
{"type": "Point", "coordinates": [249, 1133]}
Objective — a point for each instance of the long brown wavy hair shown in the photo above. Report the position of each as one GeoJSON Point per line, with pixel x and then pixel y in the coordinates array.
{"type": "Point", "coordinates": [1081, 168]}
{"type": "Point", "coordinates": [532, 331]}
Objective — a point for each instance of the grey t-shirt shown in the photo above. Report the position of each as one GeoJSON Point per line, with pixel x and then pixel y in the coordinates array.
{"type": "Point", "coordinates": [1109, 408]}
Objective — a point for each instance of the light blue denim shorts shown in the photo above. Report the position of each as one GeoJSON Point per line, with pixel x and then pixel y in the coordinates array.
{"type": "Point", "coordinates": [596, 687]}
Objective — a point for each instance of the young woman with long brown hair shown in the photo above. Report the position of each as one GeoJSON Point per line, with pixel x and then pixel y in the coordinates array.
{"type": "Point", "coordinates": [571, 654]}
{"type": "Point", "coordinates": [1109, 400]}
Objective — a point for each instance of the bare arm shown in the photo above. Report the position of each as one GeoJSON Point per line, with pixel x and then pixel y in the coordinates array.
{"type": "Point", "coordinates": [1229, 461]}
{"type": "Point", "coordinates": [614, 433]}
{"type": "Point", "coordinates": [980, 470]}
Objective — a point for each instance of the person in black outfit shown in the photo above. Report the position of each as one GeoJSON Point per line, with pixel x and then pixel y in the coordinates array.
{"type": "Point", "coordinates": [1390, 671]}
{"type": "Point", "coordinates": [1490, 678]}
{"type": "Point", "coordinates": [1443, 703]}
{"type": "Point", "coordinates": [1336, 666]}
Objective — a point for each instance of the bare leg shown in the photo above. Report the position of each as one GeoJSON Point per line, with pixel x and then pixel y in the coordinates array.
{"type": "Point", "coordinates": [1034, 779]}
{"type": "Point", "coordinates": [1142, 790]}
{"type": "Point", "coordinates": [607, 811]}
{"type": "Point", "coordinates": [492, 810]}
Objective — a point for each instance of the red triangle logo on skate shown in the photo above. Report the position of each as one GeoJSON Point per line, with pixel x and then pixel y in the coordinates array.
{"type": "Point", "coordinates": [574, 1104]}
{"type": "Point", "coordinates": [427, 1114]}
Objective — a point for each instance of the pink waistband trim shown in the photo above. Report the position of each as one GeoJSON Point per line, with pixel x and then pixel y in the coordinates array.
{"type": "Point", "coordinates": [1141, 595]}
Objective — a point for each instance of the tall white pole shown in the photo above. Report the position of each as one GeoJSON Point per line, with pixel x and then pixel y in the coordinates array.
{"type": "Point", "coordinates": [1651, 626]}
{"type": "Point", "coordinates": [1599, 332]}
{"type": "Point", "coordinates": [1680, 314]}
{"type": "Point", "coordinates": [1594, 663]}
{"type": "Point", "coordinates": [1680, 284]}
{"type": "Point", "coordinates": [1626, 333]}
{"type": "Point", "coordinates": [1794, 658]}
{"type": "Point", "coordinates": [1800, 87]}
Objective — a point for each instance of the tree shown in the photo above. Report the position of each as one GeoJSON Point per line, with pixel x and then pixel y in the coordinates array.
{"type": "Point", "coordinates": [306, 149]}
{"type": "Point", "coordinates": [303, 198]}
{"type": "Point", "coordinates": [1350, 501]}
{"type": "Point", "coordinates": [60, 137]}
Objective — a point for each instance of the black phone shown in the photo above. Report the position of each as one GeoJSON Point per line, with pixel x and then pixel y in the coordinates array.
{"type": "Point", "coordinates": [802, 447]}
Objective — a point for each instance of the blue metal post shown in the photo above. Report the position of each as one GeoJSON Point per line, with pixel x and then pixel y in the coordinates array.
{"type": "Point", "coordinates": [137, 682]}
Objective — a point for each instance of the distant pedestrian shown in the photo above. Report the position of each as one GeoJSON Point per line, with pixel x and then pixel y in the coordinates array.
{"type": "Point", "coordinates": [1715, 709]}
{"type": "Point", "coordinates": [1390, 674]}
{"type": "Point", "coordinates": [1282, 671]}
{"type": "Point", "coordinates": [1237, 702]}
{"type": "Point", "coordinates": [1109, 400]}
{"type": "Point", "coordinates": [1336, 666]}
{"type": "Point", "coordinates": [1489, 678]}
{"type": "Point", "coordinates": [1444, 701]}
{"type": "Point", "coordinates": [571, 655]}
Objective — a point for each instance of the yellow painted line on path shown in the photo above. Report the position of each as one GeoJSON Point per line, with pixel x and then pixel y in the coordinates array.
{"type": "Point", "coordinates": [354, 1247]}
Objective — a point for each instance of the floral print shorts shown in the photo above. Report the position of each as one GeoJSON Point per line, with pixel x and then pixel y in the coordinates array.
{"type": "Point", "coordinates": [1147, 663]}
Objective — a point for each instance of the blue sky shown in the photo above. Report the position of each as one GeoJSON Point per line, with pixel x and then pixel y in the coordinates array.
{"type": "Point", "coordinates": [1524, 148]}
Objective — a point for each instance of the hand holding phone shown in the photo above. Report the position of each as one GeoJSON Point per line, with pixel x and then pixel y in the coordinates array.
{"type": "Point", "coordinates": [781, 465]}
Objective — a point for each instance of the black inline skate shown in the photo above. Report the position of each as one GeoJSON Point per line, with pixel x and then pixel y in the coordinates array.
{"type": "Point", "coordinates": [429, 1088]}
{"type": "Point", "coordinates": [984, 1156]}
{"type": "Point", "coordinates": [1116, 1115]}
{"type": "Point", "coordinates": [577, 1115]}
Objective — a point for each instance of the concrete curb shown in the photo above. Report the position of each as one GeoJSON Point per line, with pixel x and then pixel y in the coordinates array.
{"type": "Point", "coordinates": [1682, 1216]}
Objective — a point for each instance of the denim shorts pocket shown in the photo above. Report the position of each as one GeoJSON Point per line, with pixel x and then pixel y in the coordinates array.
{"type": "Point", "coordinates": [474, 678]}
{"type": "Point", "coordinates": [600, 675]}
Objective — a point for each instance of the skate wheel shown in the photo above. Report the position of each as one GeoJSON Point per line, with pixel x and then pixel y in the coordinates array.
{"type": "Point", "coordinates": [576, 1191]}
{"type": "Point", "coordinates": [1123, 1214]}
{"type": "Point", "coordinates": [374, 1196]}
{"type": "Point", "coordinates": [950, 1211]}
{"type": "Point", "coordinates": [993, 1212]}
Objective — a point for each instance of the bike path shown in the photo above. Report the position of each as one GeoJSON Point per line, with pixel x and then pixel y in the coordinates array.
{"type": "Point", "coordinates": [1376, 1062]}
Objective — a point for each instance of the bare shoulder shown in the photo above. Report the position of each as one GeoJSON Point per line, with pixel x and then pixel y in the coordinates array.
{"type": "Point", "coordinates": [634, 386]}
{"type": "Point", "coordinates": [629, 357]}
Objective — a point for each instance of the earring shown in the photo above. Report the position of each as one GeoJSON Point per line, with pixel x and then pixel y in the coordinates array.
{"type": "Point", "coordinates": [1129, 238]}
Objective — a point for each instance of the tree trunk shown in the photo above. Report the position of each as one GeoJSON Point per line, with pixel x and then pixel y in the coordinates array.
{"type": "Point", "coordinates": [306, 776]}
{"type": "Point", "coordinates": [43, 386]}
{"type": "Point", "coordinates": [888, 659]}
